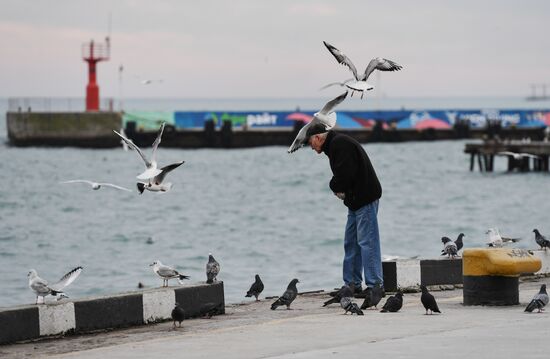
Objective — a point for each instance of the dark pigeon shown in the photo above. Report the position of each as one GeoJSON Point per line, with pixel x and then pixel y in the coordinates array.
{"type": "Point", "coordinates": [459, 243]}
{"type": "Point", "coordinates": [337, 295]}
{"type": "Point", "coordinates": [449, 247]}
{"type": "Point", "coordinates": [212, 269]}
{"type": "Point", "coordinates": [209, 309]}
{"type": "Point", "coordinates": [288, 296]}
{"type": "Point", "coordinates": [428, 301]}
{"type": "Point", "coordinates": [373, 296]}
{"type": "Point", "coordinates": [178, 314]}
{"type": "Point", "coordinates": [539, 301]}
{"type": "Point", "coordinates": [346, 294]}
{"type": "Point", "coordinates": [256, 288]}
{"type": "Point", "coordinates": [393, 303]}
{"type": "Point", "coordinates": [541, 240]}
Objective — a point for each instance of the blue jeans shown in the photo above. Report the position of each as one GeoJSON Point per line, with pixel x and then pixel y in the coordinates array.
{"type": "Point", "coordinates": [362, 247]}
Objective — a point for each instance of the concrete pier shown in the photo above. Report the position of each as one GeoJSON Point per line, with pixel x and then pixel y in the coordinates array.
{"type": "Point", "coordinates": [252, 330]}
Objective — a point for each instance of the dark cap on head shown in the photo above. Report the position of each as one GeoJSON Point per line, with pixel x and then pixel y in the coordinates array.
{"type": "Point", "coordinates": [315, 130]}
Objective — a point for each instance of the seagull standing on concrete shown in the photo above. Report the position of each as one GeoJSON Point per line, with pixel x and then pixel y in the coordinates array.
{"type": "Point", "coordinates": [496, 240]}
{"type": "Point", "coordinates": [256, 288]}
{"type": "Point", "coordinates": [449, 248]}
{"type": "Point", "coordinates": [428, 301]}
{"type": "Point", "coordinates": [178, 314]}
{"type": "Point", "coordinates": [212, 269]}
{"type": "Point", "coordinates": [41, 287]}
{"type": "Point", "coordinates": [539, 301]}
{"type": "Point", "coordinates": [156, 184]}
{"type": "Point", "coordinates": [360, 84]}
{"type": "Point", "coordinates": [288, 296]}
{"type": "Point", "coordinates": [166, 273]}
{"type": "Point", "coordinates": [373, 296]}
{"type": "Point", "coordinates": [326, 117]}
{"type": "Point", "coordinates": [393, 303]}
{"type": "Point", "coordinates": [541, 240]}
{"type": "Point", "coordinates": [151, 165]}
{"type": "Point", "coordinates": [97, 185]}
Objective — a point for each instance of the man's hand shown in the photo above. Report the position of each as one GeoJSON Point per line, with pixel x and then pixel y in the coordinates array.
{"type": "Point", "coordinates": [340, 195]}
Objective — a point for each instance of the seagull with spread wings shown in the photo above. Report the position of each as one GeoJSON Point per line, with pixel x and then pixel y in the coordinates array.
{"type": "Point", "coordinates": [97, 185]}
{"type": "Point", "coordinates": [360, 84]}
{"type": "Point", "coordinates": [41, 288]}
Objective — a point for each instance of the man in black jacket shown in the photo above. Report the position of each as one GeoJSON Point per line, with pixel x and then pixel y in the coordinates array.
{"type": "Point", "coordinates": [355, 182]}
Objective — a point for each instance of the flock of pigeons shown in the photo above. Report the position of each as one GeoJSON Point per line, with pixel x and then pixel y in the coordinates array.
{"type": "Point", "coordinates": [495, 240]}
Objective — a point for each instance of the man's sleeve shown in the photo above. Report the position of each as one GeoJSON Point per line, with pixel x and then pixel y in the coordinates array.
{"type": "Point", "coordinates": [344, 167]}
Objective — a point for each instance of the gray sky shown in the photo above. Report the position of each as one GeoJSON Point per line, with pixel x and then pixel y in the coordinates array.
{"type": "Point", "coordinates": [254, 48]}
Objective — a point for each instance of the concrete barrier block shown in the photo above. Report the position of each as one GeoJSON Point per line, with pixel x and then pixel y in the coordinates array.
{"type": "Point", "coordinates": [408, 273]}
{"type": "Point", "coordinates": [441, 271]}
{"type": "Point", "coordinates": [56, 318]}
{"type": "Point", "coordinates": [158, 304]}
{"type": "Point", "coordinates": [19, 324]}
{"type": "Point", "coordinates": [109, 312]}
{"type": "Point", "coordinates": [197, 298]}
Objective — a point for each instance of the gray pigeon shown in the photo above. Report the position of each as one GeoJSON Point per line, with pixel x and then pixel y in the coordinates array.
{"type": "Point", "coordinates": [256, 288]}
{"type": "Point", "coordinates": [209, 309]}
{"type": "Point", "coordinates": [541, 240]}
{"type": "Point", "coordinates": [459, 243]}
{"type": "Point", "coordinates": [337, 295]}
{"type": "Point", "coordinates": [394, 303]}
{"type": "Point", "coordinates": [346, 302]}
{"type": "Point", "coordinates": [288, 296]}
{"type": "Point", "coordinates": [428, 301]}
{"type": "Point", "coordinates": [212, 269]}
{"type": "Point", "coordinates": [449, 248]}
{"type": "Point", "coordinates": [178, 314]}
{"type": "Point", "coordinates": [373, 296]}
{"type": "Point", "coordinates": [539, 301]}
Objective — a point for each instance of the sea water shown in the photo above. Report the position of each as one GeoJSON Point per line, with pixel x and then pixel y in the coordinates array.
{"type": "Point", "coordinates": [258, 211]}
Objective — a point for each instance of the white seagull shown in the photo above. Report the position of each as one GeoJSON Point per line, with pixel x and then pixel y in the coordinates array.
{"type": "Point", "coordinates": [496, 240]}
{"type": "Point", "coordinates": [41, 287]}
{"type": "Point", "coordinates": [156, 184]}
{"type": "Point", "coordinates": [151, 165]}
{"type": "Point", "coordinates": [97, 185]}
{"type": "Point", "coordinates": [360, 84]}
{"type": "Point", "coordinates": [166, 273]}
{"type": "Point", "coordinates": [324, 117]}
{"type": "Point", "coordinates": [516, 156]}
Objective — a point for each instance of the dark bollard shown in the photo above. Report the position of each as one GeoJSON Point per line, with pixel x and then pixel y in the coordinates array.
{"type": "Point", "coordinates": [209, 133]}
{"type": "Point", "coordinates": [227, 134]}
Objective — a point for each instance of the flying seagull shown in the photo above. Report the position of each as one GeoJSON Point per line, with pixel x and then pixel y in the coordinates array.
{"type": "Point", "coordinates": [151, 165]}
{"type": "Point", "coordinates": [156, 184]}
{"type": "Point", "coordinates": [41, 287]}
{"type": "Point", "coordinates": [360, 84]}
{"type": "Point", "coordinates": [166, 273]}
{"type": "Point", "coordinates": [256, 288]}
{"type": "Point", "coordinates": [212, 269]}
{"type": "Point", "coordinates": [325, 117]}
{"type": "Point", "coordinates": [539, 301]}
{"type": "Point", "coordinates": [97, 185]}
{"type": "Point", "coordinates": [428, 301]}
{"type": "Point", "coordinates": [288, 296]}
{"type": "Point", "coordinates": [516, 156]}
{"type": "Point", "coordinates": [496, 240]}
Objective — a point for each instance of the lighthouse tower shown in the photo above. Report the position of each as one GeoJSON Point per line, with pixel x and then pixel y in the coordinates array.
{"type": "Point", "coordinates": [92, 53]}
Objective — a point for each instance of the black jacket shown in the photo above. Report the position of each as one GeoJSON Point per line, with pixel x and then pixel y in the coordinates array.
{"type": "Point", "coordinates": [352, 171]}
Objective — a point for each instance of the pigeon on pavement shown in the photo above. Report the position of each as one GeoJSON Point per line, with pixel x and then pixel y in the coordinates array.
{"type": "Point", "coordinates": [256, 288]}
{"type": "Point", "coordinates": [541, 240]}
{"type": "Point", "coordinates": [393, 303]}
{"type": "Point", "coordinates": [212, 269]}
{"type": "Point", "coordinates": [178, 314]}
{"type": "Point", "coordinates": [337, 295]}
{"type": "Point", "coordinates": [346, 301]}
{"type": "Point", "coordinates": [373, 296]}
{"type": "Point", "coordinates": [539, 301]}
{"type": "Point", "coordinates": [288, 296]}
{"type": "Point", "coordinates": [428, 301]}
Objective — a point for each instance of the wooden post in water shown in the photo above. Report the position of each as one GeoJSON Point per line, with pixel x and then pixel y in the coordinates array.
{"type": "Point", "coordinates": [479, 162]}
{"type": "Point", "coordinates": [472, 161]}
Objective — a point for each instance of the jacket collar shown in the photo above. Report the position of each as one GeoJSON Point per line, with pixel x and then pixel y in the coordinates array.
{"type": "Point", "coordinates": [326, 146]}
